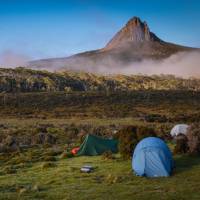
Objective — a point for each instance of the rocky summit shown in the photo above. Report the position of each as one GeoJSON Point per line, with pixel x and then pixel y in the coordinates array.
{"type": "Point", "coordinates": [134, 31]}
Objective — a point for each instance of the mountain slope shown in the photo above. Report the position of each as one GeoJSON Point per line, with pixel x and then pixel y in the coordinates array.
{"type": "Point", "coordinates": [133, 43]}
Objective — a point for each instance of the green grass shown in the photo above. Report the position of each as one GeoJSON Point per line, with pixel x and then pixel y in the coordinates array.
{"type": "Point", "coordinates": [111, 179]}
{"type": "Point", "coordinates": [40, 174]}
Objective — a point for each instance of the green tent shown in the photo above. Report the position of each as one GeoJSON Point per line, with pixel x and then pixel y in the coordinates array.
{"type": "Point", "coordinates": [93, 145]}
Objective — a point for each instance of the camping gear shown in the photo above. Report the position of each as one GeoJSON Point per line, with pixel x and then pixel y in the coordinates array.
{"type": "Point", "coordinates": [152, 158]}
{"type": "Point", "coordinates": [87, 169]}
{"type": "Point", "coordinates": [75, 150]}
{"type": "Point", "coordinates": [94, 145]}
{"type": "Point", "coordinates": [179, 129]}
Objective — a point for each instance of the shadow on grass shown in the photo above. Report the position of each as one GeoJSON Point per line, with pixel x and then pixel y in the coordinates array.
{"type": "Point", "coordinates": [185, 163]}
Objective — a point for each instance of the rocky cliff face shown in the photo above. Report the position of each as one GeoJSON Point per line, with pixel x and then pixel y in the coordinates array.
{"type": "Point", "coordinates": [134, 31]}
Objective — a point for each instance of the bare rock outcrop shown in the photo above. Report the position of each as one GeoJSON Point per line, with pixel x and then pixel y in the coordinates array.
{"type": "Point", "coordinates": [134, 31]}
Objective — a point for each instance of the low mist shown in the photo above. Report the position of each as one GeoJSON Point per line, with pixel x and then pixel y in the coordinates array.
{"type": "Point", "coordinates": [181, 64]}
{"type": "Point", "coordinates": [184, 64]}
{"type": "Point", "coordinates": [12, 59]}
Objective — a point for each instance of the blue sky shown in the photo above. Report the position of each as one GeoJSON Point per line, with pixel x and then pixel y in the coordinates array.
{"type": "Point", "coordinates": [56, 28]}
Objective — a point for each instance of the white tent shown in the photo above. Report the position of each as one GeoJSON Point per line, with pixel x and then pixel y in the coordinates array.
{"type": "Point", "coordinates": [179, 129]}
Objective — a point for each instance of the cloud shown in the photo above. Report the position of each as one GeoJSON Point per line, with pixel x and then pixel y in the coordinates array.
{"type": "Point", "coordinates": [184, 64]}
{"type": "Point", "coordinates": [10, 58]}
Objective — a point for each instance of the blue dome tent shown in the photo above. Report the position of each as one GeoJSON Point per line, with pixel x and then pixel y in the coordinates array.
{"type": "Point", "coordinates": [152, 158]}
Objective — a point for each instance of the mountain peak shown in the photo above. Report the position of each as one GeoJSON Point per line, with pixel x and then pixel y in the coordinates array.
{"type": "Point", "coordinates": [133, 43]}
{"type": "Point", "coordinates": [134, 31]}
{"type": "Point", "coordinates": [134, 21]}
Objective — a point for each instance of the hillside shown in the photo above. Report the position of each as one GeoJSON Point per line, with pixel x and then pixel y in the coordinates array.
{"type": "Point", "coordinates": [27, 80]}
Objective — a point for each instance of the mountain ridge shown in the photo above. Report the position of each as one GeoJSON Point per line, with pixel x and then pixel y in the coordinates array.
{"type": "Point", "coordinates": [133, 43]}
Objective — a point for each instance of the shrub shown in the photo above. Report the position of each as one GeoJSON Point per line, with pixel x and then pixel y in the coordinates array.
{"type": "Point", "coordinates": [81, 136]}
{"type": "Point", "coordinates": [193, 136]}
{"type": "Point", "coordinates": [50, 139]}
{"type": "Point", "coordinates": [163, 131]}
{"type": "Point", "coordinates": [129, 137]}
{"type": "Point", "coordinates": [181, 144]}
{"type": "Point", "coordinates": [144, 131]}
{"type": "Point", "coordinates": [42, 128]}
{"type": "Point", "coordinates": [156, 118]}
{"type": "Point", "coordinates": [44, 138]}
{"type": "Point", "coordinates": [127, 141]}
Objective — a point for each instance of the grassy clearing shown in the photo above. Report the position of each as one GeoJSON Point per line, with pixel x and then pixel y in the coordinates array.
{"type": "Point", "coordinates": [39, 174]}
{"type": "Point", "coordinates": [111, 179]}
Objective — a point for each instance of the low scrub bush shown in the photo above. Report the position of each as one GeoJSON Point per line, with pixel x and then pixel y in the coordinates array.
{"type": "Point", "coordinates": [129, 137]}
{"type": "Point", "coordinates": [156, 118]}
{"type": "Point", "coordinates": [193, 137]}
{"type": "Point", "coordinates": [143, 131]}
{"type": "Point", "coordinates": [44, 127]}
{"type": "Point", "coordinates": [181, 145]}
{"type": "Point", "coordinates": [127, 141]}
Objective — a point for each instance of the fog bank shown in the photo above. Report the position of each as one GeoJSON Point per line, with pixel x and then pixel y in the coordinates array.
{"type": "Point", "coordinates": [12, 59]}
{"type": "Point", "coordinates": [181, 64]}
